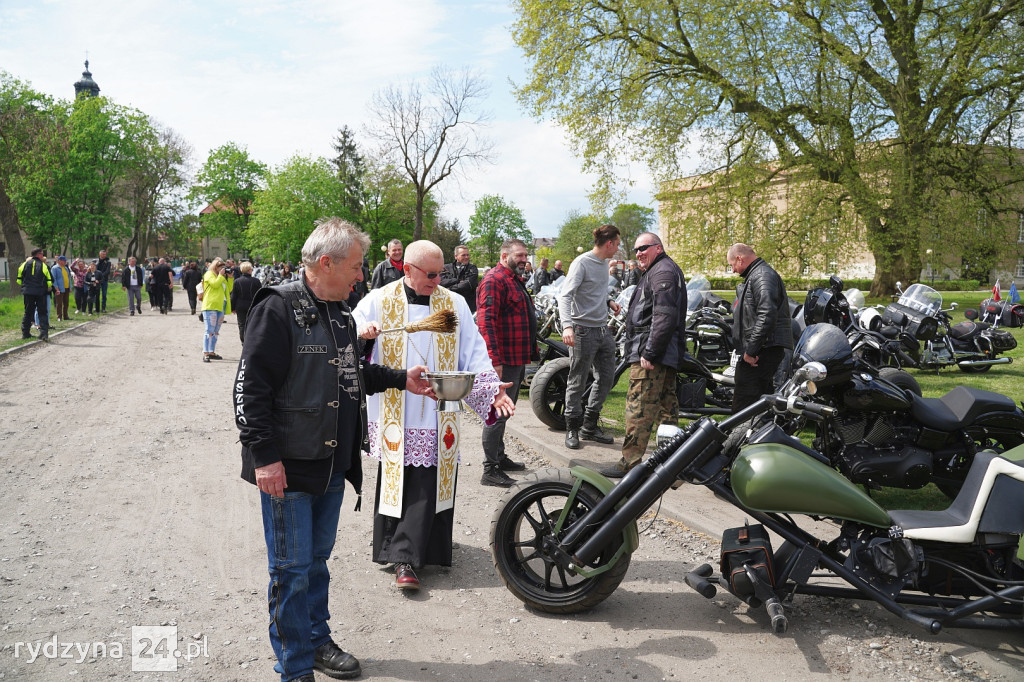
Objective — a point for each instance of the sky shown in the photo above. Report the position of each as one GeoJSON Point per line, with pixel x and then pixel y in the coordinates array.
{"type": "Point", "coordinates": [280, 77]}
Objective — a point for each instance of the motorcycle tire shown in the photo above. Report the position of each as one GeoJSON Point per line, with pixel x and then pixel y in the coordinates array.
{"type": "Point", "coordinates": [981, 369]}
{"type": "Point", "coordinates": [525, 515]}
{"type": "Point", "coordinates": [547, 392]}
{"type": "Point", "coordinates": [902, 379]}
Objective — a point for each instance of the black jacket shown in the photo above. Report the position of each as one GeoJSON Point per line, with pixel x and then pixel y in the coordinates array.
{"type": "Point", "coordinates": [463, 280]}
{"type": "Point", "coordinates": [762, 313]}
{"type": "Point", "coordinates": [103, 269]}
{"type": "Point", "coordinates": [190, 278]}
{"type": "Point", "coordinates": [35, 278]}
{"type": "Point", "coordinates": [273, 341]}
{"type": "Point", "coordinates": [243, 292]}
{"type": "Point", "coordinates": [126, 277]}
{"type": "Point", "coordinates": [656, 318]}
{"type": "Point", "coordinates": [385, 273]}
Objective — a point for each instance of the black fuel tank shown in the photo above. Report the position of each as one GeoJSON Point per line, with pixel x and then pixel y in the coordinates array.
{"type": "Point", "coordinates": [866, 393]}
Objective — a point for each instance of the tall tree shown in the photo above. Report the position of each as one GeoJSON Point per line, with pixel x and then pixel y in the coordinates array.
{"type": "Point", "coordinates": [632, 220]}
{"type": "Point", "coordinates": [23, 122]}
{"type": "Point", "coordinates": [447, 234]}
{"type": "Point", "coordinates": [389, 206]}
{"type": "Point", "coordinates": [228, 183]}
{"type": "Point", "coordinates": [156, 173]}
{"type": "Point", "coordinates": [493, 221]}
{"type": "Point", "coordinates": [350, 168]}
{"type": "Point", "coordinates": [895, 104]}
{"type": "Point", "coordinates": [432, 132]}
{"type": "Point", "coordinates": [575, 235]}
{"type": "Point", "coordinates": [298, 193]}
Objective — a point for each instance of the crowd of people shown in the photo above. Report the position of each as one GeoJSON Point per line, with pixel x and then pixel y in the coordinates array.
{"type": "Point", "coordinates": [323, 379]}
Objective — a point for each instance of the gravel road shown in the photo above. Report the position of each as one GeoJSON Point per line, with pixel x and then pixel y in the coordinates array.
{"type": "Point", "coordinates": [123, 509]}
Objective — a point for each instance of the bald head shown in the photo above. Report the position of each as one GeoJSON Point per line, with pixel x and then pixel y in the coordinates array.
{"type": "Point", "coordinates": [423, 250]}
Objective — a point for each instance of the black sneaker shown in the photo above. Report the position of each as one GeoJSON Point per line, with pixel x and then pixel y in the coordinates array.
{"type": "Point", "coordinates": [496, 477]}
{"type": "Point", "coordinates": [508, 465]}
{"type": "Point", "coordinates": [329, 659]}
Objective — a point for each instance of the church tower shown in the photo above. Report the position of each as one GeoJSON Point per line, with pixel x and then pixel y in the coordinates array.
{"type": "Point", "coordinates": [87, 86]}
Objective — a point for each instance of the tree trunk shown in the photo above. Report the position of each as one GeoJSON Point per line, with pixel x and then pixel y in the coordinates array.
{"type": "Point", "coordinates": [12, 237]}
{"type": "Point", "coordinates": [890, 269]}
{"type": "Point", "coordinates": [417, 232]}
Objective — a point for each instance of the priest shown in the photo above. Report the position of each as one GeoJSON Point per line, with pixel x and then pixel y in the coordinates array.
{"type": "Point", "coordinates": [418, 446]}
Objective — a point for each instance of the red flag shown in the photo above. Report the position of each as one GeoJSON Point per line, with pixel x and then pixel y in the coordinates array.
{"type": "Point", "coordinates": [996, 291]}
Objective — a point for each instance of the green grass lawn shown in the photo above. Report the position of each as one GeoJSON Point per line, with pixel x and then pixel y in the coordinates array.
{"type": "Point", "coordinates": [12, 309]}
{"type": "Point", "coordinates": [1005, 379]}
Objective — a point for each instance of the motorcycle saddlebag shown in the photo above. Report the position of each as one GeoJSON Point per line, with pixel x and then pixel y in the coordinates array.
{"type": "Point", "coordinates": [1002, 340]}
{"type": "Point", "coordinates": [691, 393]}
{"type": "Point", "coordinates": [1013, 315]}
{"type": "Point", "coordinates": [746, 545]}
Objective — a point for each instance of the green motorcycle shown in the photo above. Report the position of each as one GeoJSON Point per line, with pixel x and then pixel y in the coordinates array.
{"type": "Point", "coordinates": [561, 540]}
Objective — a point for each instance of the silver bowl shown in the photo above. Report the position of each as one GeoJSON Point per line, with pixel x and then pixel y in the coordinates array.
{"type": "Point", "coordinates": [450, 388]}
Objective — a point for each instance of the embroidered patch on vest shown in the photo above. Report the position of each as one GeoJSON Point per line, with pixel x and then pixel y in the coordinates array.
{"type": "Point", "coordinates": [312, 349]}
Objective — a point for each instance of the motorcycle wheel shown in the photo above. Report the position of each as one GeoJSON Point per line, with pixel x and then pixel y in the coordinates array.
{"type": "Point", "coordinates": [902, 379]}
{"type": "Point", "coordinates": [524, 517]}
{"type": "Point", "coordinates": [547, 392]}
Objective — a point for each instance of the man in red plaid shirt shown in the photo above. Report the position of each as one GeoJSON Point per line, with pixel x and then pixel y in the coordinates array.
{"type": "Point", "coordinates": [508, 323]}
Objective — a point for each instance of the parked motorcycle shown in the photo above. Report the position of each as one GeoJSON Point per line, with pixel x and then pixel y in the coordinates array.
{"type": "Point", "coordinates": [925, 337]}
{"type": "Point", "coordinates": [546, 305]}
{"type": "Point", "coordinates": [562, 539]}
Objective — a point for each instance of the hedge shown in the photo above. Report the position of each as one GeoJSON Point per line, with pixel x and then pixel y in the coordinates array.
{"type": "Point", "coordinates": [798, 284]}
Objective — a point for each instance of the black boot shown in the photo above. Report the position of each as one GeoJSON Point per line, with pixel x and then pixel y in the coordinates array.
{"type": "Point", "coordinates": [572, 435]}
{"type": "Point", "coordinates": [493, 475]}
{"type": "Point", "coordinates": [591, 431]}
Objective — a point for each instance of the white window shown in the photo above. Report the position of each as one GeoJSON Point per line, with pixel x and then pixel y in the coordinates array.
{"type": "Point", "coordinates": [1020, 268]}
{"type": "Point", "coordinates": [1020, 228]}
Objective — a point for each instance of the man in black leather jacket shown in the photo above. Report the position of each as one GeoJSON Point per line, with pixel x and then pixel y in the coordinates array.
{"type": "Point", "coordinates": [761, 330]}
{"type": "Point", "coordinates": [461, 276]}
{"type": "Point", "coordinates": [300, 406]}
{"type": "Point", "coordinates": [655, 346]}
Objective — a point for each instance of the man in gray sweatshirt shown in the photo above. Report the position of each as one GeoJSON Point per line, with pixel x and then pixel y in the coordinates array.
{"type": "Point", "coordinates": [583, 306]}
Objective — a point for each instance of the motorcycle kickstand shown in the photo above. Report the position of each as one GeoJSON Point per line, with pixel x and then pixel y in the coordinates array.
{"type": "Point", "coordinates": [764, 592]}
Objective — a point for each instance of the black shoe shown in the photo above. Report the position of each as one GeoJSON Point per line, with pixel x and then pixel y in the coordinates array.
{"type": "Point", "coordinates": [306, 678]}
{"type": "Point", "coordinates": [27, 336]}
{"type": "Point", "coordinates": [214, 356]}
{"type": "Point", "coordinates": [612, 471]}
{"type": "Point", "coordinates": [572, 439]}
{"type": "Point", "coordinates": [329, 659]}
{"type": "Point", "coordinates": [508, 465]}
{"type": "Point", "coordinates": [496, 477]}
{"type": "Point", "coordinates": [595, 433]}
{"type": "Point", "coordinates": [139, 310]}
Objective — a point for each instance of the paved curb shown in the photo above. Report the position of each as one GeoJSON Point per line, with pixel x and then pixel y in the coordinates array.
{"type": "Point", "coordinates": [37, 341]}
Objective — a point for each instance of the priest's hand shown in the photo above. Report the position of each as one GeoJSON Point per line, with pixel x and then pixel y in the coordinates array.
{"type": "Point", "coordinates": [503, 405]}
{"type": "Point", "coordinates": [415, 383]}
{"type": "Point", "coordinates": [370, 330]}
{"type": "Point", "coordinates": [271, 480]}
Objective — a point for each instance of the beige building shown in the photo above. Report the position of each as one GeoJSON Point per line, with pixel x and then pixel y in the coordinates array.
{"type": "Point", "coordinates": [698, 225]}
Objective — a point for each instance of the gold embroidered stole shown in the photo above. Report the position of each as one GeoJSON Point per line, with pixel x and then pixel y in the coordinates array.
{"type": "Point", "coordinates": [394, 353]}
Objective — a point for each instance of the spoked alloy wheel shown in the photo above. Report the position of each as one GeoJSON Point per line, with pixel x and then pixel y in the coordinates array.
{"type": "Point", "coordinates": [528, 513]}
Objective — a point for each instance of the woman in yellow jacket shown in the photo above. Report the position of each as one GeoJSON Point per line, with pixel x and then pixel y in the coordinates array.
{"type": "Point", "coordinates": [216, 304]}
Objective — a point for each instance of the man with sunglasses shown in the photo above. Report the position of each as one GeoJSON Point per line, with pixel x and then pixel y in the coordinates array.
{"type": "Point", "coordinates": [418, 446]}
{"type": "Point", "coordinates": [583, 306]}
{"type": "Point", "coordinates": [655, 346]}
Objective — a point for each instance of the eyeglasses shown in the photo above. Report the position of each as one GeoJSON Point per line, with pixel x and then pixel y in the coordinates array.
{"type": "Point", "coordinates": [430, 275]}
{"type": "Point", "coordinates": [643, 247]}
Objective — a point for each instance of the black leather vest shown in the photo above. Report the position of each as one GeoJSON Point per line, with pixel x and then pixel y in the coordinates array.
{"type": "Point", "coordinates": [306, 408]}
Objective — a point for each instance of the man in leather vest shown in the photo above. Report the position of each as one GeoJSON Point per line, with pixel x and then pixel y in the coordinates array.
{"type": "Point", "coordinates": [300, 406]}
{"type": "Point", "coordinates": [761, 330]}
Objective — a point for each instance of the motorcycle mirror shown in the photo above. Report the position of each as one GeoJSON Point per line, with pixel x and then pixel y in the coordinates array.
{"type": "Point", "coordinates": [899, 285]}
{"type": "Point", "coordinates": [811, 371]}
{"type": "Point", "coordinates": [954, 304]}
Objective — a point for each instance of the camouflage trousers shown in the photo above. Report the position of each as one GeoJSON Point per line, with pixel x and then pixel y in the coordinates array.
{"type": "Point", "coordinates": [650, 401]}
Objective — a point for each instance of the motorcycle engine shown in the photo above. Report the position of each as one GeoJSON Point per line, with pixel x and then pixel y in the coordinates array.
{"type": "Point", "coordinates": [873, 450]}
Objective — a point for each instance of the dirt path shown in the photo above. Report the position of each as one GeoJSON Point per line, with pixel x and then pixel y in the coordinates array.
{"type": "Point", "coordinates": [123, 508]}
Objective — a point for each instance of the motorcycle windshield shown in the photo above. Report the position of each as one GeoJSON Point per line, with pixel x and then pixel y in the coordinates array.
{"type": "Point", "coordinates": [623, 298]}
{"type": "Point", "coordinates": [696, 289]}
{"type": "Point", "coordinates": [922, 299]}
{"type": "Point", "coordinates": [855, 297]}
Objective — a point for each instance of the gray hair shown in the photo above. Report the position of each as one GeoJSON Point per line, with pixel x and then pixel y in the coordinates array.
{"type": "Point", "coordinates": [655, 239]}
{"type": "Point", "coordinates": [332, 237]}
{"type": "Point", "coordinates": [395, 241]}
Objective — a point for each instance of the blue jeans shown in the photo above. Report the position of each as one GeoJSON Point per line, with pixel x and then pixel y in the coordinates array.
{"type": "Point", "coordinates": [212, 319]}
{"type": "Point", "coordinates": [594, 348]}
{"type": "Point", "coordinates": [299, 530]}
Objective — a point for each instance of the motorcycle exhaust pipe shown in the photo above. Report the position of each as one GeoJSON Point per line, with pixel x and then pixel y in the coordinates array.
{"type": "Point", "coordinates": [980, 363]}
